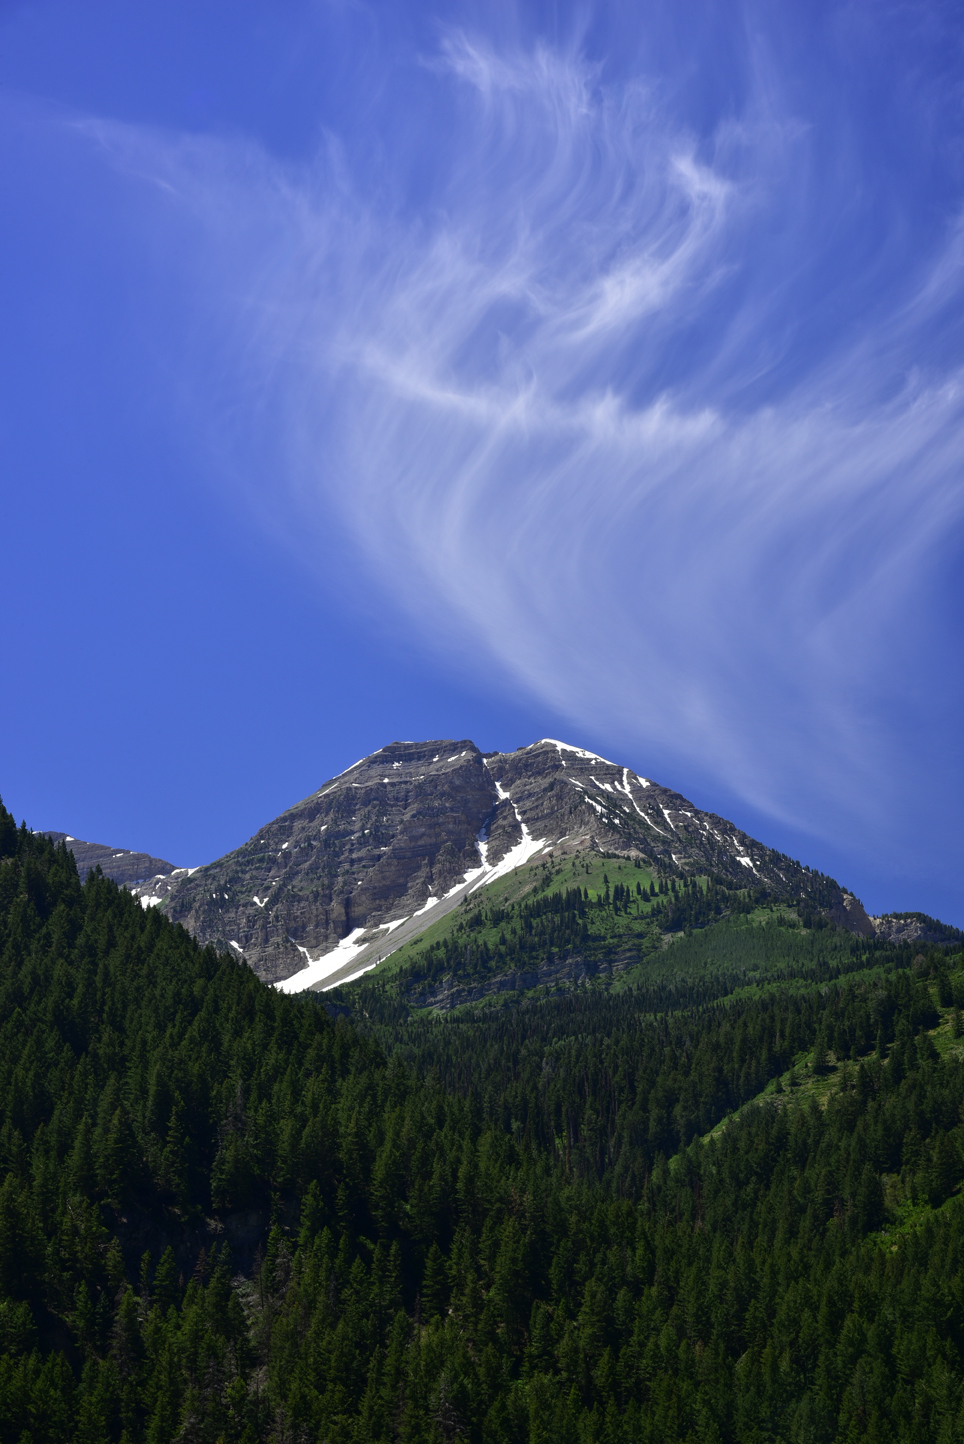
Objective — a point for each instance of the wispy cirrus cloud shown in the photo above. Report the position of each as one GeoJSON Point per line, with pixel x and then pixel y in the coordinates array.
{"type": "Point", "coordinates": [639, 411]}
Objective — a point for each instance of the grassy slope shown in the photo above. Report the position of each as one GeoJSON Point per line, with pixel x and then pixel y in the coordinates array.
{"type": "Point", "coordinates": [745, 954]}
{"type": "Point", "coordinates": [800, 1086]}
{"type": "Point", "coordinates": [526, 884]}
{"type": "Point", "coordinates": [741, 954]}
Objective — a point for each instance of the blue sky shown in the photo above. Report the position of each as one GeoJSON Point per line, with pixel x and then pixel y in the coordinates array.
{"type": "Point", "coordinates": [387, 371]}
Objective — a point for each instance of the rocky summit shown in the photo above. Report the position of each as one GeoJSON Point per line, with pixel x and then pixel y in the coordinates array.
{"type": "Point", "coordinates": [119, 863]}
{"type": "Point", "coordinates": [387, 846]}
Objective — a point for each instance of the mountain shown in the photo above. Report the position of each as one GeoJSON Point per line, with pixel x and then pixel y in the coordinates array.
{"type": "Point", "coordinates": [119, 863]}
{"type": "Point", "coordinates": [387, 847]}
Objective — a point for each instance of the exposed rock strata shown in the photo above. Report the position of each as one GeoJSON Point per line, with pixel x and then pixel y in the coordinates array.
{"type": "Point", "coordinates": [125, 867]}
{"type": "Point", "coordinates": [849, 913]}
{"type": "Point", "coordinates": [370, 846]}
{"type": "Point", "coordinates": [375, 844]}
{"type": "Point", "coordinates": [451, 994]}
{"type": "Point", "coordinates": [914, 928]}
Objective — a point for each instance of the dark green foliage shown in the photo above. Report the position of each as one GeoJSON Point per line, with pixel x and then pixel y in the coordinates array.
{"type": "Point", "coordinates": [593, 926]}
{"type": "Point", "coordinates": [723, 939]}
{"type": "Point", "coordinates": [505, 1226]}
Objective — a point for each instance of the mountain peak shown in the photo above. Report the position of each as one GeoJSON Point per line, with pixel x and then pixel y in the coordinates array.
{"type": "Point", "coordinates": [568, 747]}
{"type": "Point", "coordinates": [392, 842]}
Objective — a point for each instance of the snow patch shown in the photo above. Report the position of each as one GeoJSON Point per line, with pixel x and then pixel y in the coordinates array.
{"type": "Point", "coordinates": [591, 800]}
{"type": "Point", "coordinates": [348, 769]}
{"type": "Point", "coordinates": [482, 843]}
{"type": "Point", "coordinates": [459, 885]}
{"type": "Point", "coordinates": [365, 968]}
{"type": "Point", "coordinates": [474, 873]}
{"type": "Point", "coordinates": [515, 857]}
{"type": "Point", "coordinates": [390, 927]}
{"type": "Point", "coordinates": [323, 967]}
{"type": "Point", "coordinates": [645, 818]}
{"type": "Point", "coordinates": [565, 747]}
{"type": "Point", "coordinates": [349, 948]}
{"type": "Point", "coordinates": [150, 902]}
{"type": "Point", "coordinates": [626, 786]}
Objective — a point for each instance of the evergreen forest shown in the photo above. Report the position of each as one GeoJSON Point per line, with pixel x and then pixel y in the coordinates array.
{"type": "Point", "coordinates": [712, 1196]}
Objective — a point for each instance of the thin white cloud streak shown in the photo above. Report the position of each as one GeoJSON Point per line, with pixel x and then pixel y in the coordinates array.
{"type": "Point", "coordinates": [534, 405]}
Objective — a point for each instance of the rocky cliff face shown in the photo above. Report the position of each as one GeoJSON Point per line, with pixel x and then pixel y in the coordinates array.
{"type": "Point", "coordinates": [915, 928]}
{"type": "Point", "coordinates": [402, 835]}
{"type": "Point", "coordinates": [572, 798]}
{"type": "Point", "coordinates": [125, 867]}
{"type": "Point", "coordinates": [369, 847]}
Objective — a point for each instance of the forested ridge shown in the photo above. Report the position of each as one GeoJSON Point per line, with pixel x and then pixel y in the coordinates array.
{"type": "Point", "coordinates": [594, 1216]}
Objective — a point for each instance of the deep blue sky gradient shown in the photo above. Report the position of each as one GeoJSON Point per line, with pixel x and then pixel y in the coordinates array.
{"type": "Point", "coordinates": [379, 371]}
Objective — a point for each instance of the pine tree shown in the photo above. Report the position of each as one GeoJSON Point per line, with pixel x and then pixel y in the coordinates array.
{"type": "Point", "coordinates": [944, 1172]}
{"type": "Point", "coordinates": [120, 1161]}
{"type": "Point", "coordinates": [167, 1290]}
{"type": "Point", "coordinates": [434, 1284]}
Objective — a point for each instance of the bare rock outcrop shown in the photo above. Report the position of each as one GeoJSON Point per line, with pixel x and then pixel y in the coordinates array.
{"type": "Point", "coordinates": [388, 839]}
{"type": "Point", "coordinates": [125, 867]}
